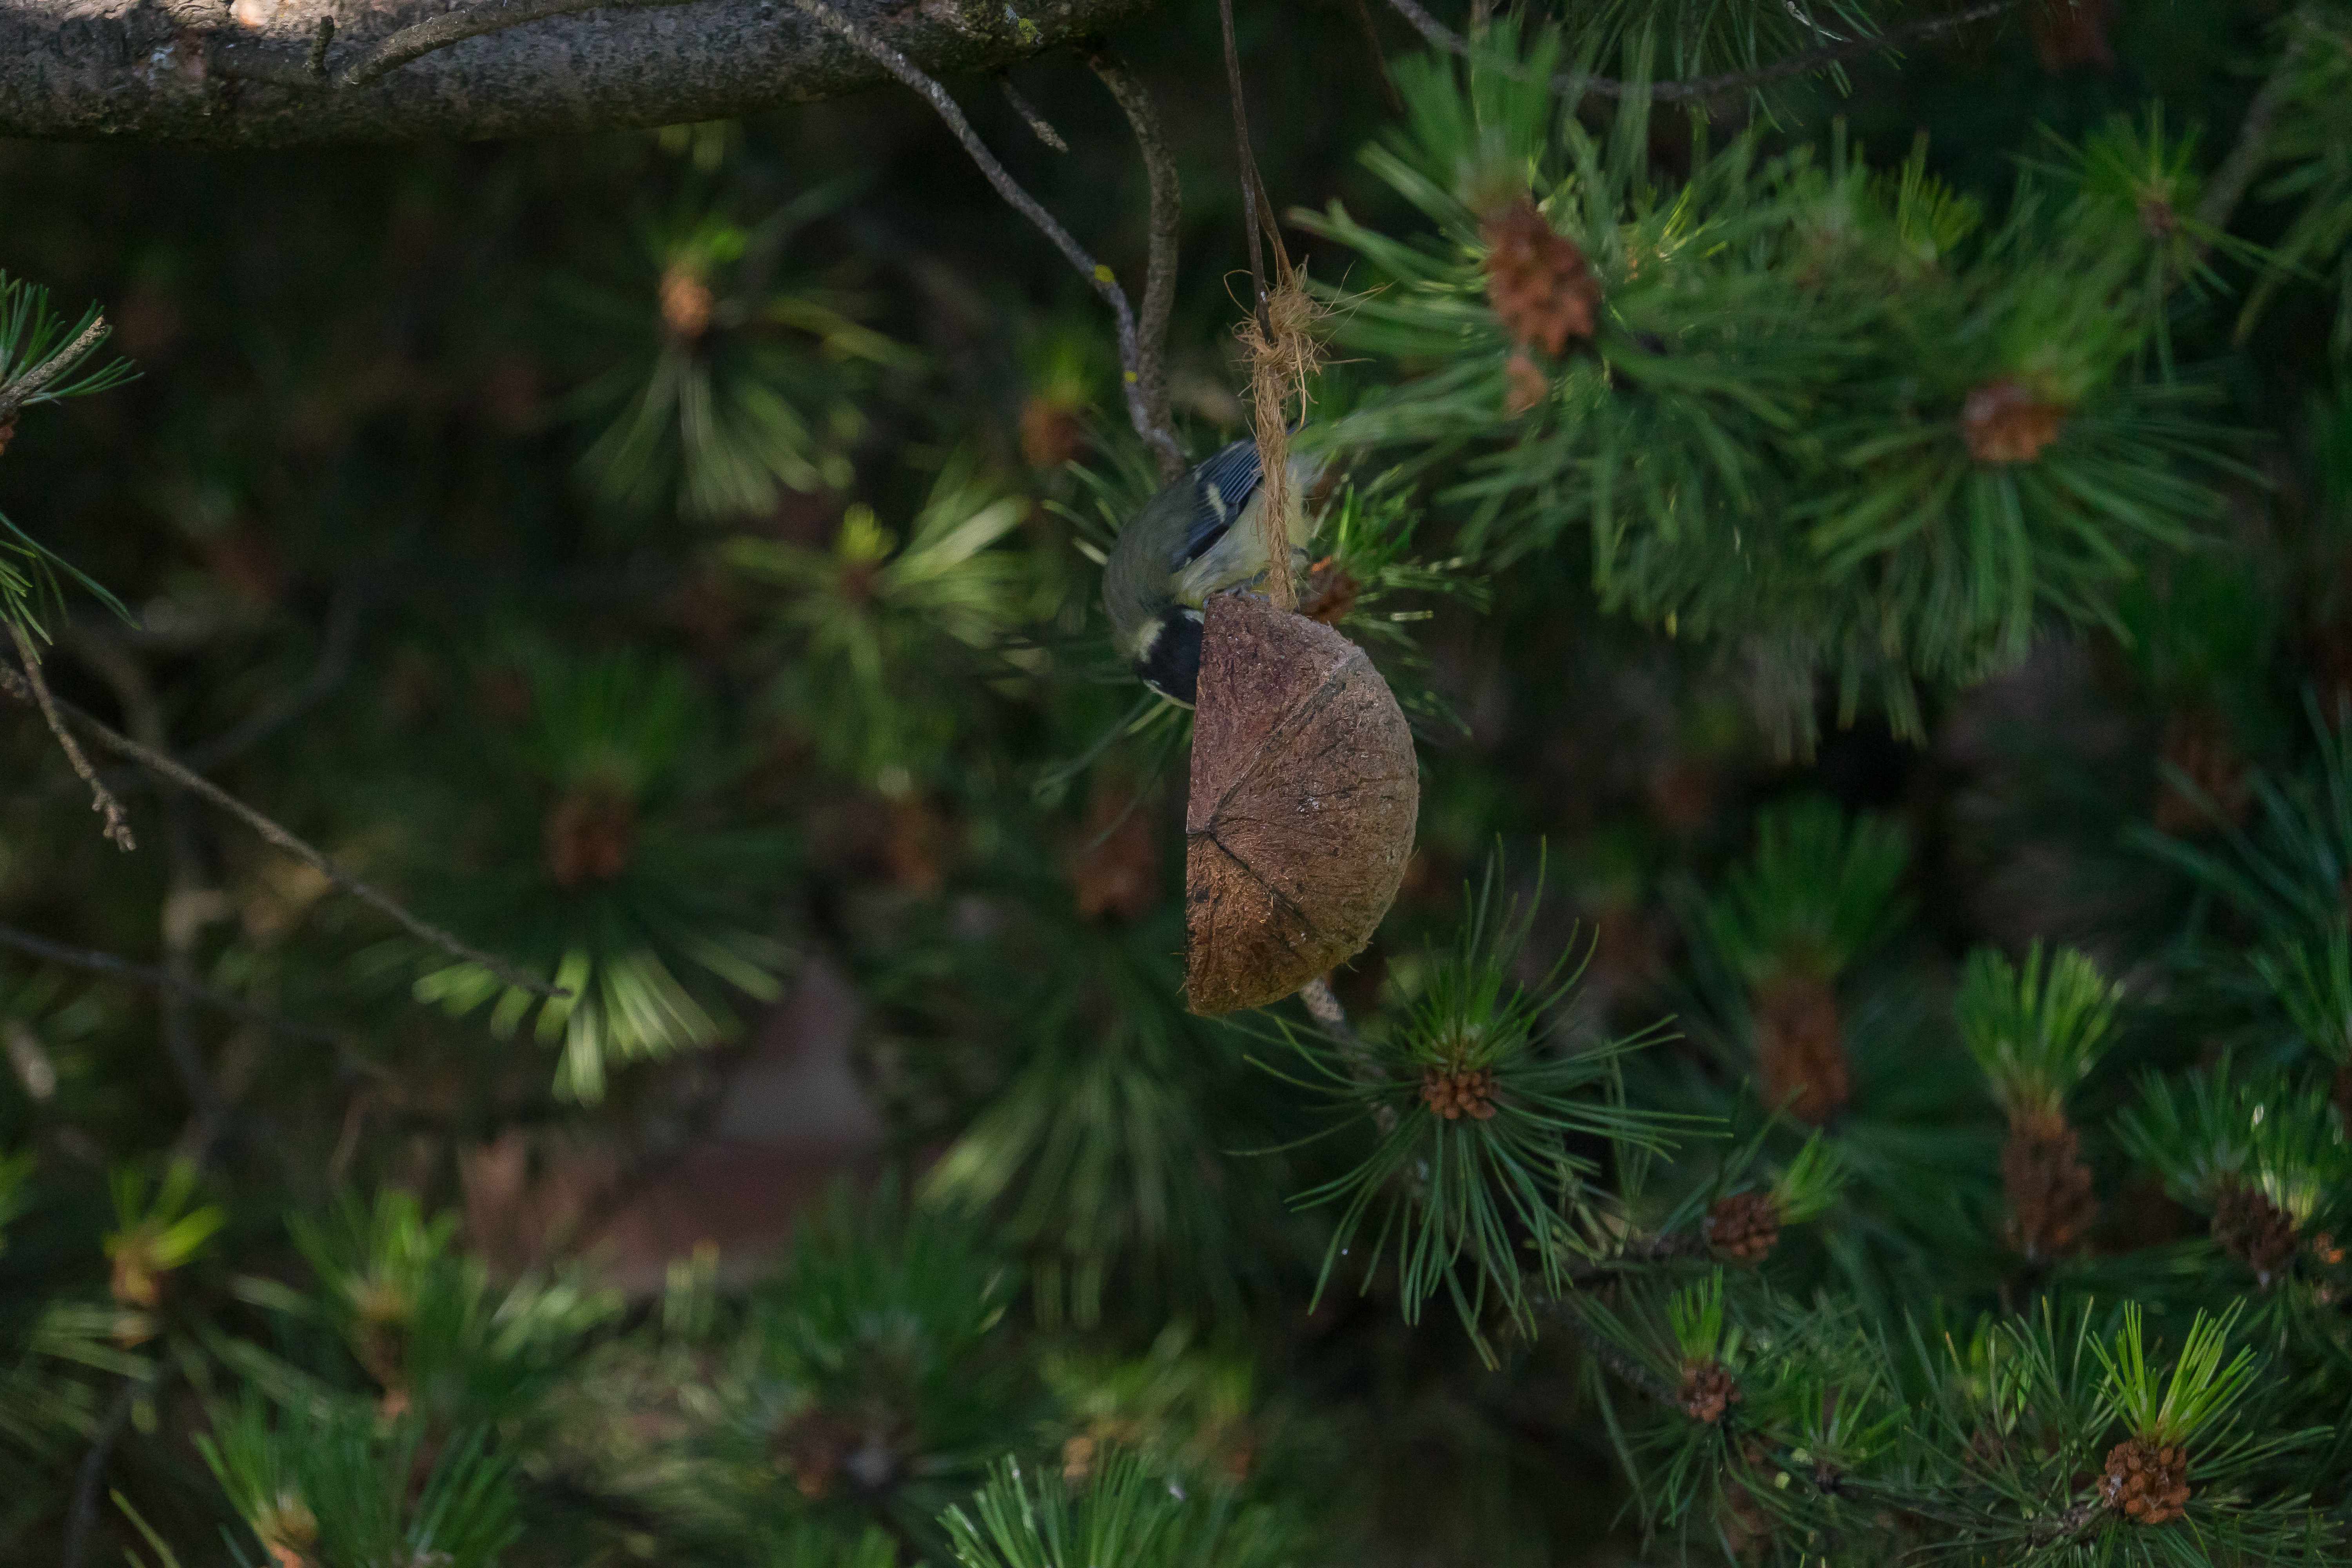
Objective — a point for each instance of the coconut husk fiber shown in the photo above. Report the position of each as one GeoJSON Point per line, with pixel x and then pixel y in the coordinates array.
{"type": "Point", "coordinates": [1305, 794]}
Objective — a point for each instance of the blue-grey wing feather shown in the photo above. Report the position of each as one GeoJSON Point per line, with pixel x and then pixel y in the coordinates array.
{"type": "Point", "coordinates": [1223, 485]}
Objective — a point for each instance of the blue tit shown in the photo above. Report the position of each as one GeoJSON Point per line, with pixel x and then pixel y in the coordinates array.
{"type": "Point", "coordinates": [1202, 534]}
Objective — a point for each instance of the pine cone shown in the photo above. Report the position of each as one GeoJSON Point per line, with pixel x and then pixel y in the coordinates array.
{"type": "Point", "coordinates": [288, 1530]}
{"type": "Point", "coordinates": [1744, 1226]}
{"type": "Point", "coordinates": [2148, 1483]}
{"type": "Point", "coordinates": [1542, 291]}
{"type": "Point", "coordinates": [1330, 594]}
{"type": "Point", "coordinates": [686, 304]}
{"type": "Point", "coordinates": [2004, 422]}
{"type": "Point", "coordinates": [591, 836]}
{"type": "Point", "coordinates": [1801, 1046]}
{"type": "Point", "coordinates": [1052, 432]}
{"type": "Point", "coordinates": [1524, 384]}
{"type": "Point", "coordinates": [7, 431]}
{"type": "Point", "coordinates": [1707, 1391]}
{"type": "Point", "coordinates": [812, 1448]}
{"type": "Point", "coordinates": [2072, 33]}
{"type": "Point", "coordinates": [2252, 1229]}
{"type": "Point", "coordinates": [2050, 1204]}
{"type": "Point", "coordinates": [1115, 868]}
{"type": "Point", "coordinates": [2197, 741]}
{"type": "Point", "coordinates": [1459, 1093]}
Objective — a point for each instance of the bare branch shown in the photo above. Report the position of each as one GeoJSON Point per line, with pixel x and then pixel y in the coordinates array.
{"type": "Point", "coordinates": [1151, 369]}
{"type": "Point", "coordinates": [1103, 281]}
{"type": "Point", "coordinates": [31, 687]}
{"type": "Point", "coordinates": [1248, 163]}
{"type": "Point", "coordinates": [1706, 89]}
{"type": "Point", "coordinates": [433, 935]}
{"type": "Point", "coordinates": [83, 1519]}
{"type": "Point", "coordinates": [188, 905]}
{"type": "Point", "coordinates": [2253, 147]}
{"type": "Point", "coordinates": [97, 962]}
{"type": "Point", "coordinates": [1039, 126]}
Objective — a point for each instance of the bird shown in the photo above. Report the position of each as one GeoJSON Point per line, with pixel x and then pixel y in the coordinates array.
{"type": "Point", "coordinates": [1202, 534]}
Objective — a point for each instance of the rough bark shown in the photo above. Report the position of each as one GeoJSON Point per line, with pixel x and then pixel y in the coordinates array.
{"type": "Point", "coordinates": [248, 72]}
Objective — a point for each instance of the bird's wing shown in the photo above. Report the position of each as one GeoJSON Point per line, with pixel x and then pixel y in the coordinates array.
{"type": "Point", "coordinates": [1222, 486]}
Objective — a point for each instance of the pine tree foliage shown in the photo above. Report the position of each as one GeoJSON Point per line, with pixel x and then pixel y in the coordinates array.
{"type": "Point", "coordinates": [607, 868]}
{"type": "Point", "coordinates": [1899, 575]}
{"type": "Point", "coordinates": [1829, 413]}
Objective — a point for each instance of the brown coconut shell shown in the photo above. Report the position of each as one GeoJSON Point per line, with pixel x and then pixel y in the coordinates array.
{"type": "Point", "coordinates": [1304, 799]}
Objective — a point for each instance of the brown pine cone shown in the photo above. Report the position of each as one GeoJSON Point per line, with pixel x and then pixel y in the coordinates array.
{"type": "Point", "coordinates": [2050, 1204]}
{"type": "Point", "coordinates": [1542, 290]}
{"type": "Point", "coordinates": [7, 431]}
{"type": "Point", "coordinates": [1468, 1091]}
{"type": "Point", "coordinates": [1525, 384]}
{"type": "Point", "coordinates": [812, 1447]}
{"type": "Point", "coordinates": [1800, 1048]}
{"type": "Point", "coordinates": [591, 836]}
{"type": "Point", "coordinates": [2148, 1483]}
{"type": "Point", "coordinates": [1331, 593]}
{"type": "Point", "coordinates": [2197, 741]}
{"type": "Point", "coordinates": [2252, 1229]}
{"type": "Point", "coordinates": [1113, 869]}
{"type": "Point", "coordinates": [1744, 1226]}
{"type": "Point", "coordinates": [2003, 422]}
{"type": "Point", "coordinates": [1707, 1391]}
{"type": "Point", "coordinates": [686, 303]}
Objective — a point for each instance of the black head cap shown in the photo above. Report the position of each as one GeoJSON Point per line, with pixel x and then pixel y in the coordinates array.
{"type": "Point", "coordinates": [1171, 665]}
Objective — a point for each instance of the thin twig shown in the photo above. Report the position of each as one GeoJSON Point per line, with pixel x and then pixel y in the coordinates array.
{"type": "Point", "coordinates": [1625, 1367]}
{"type": "Point", "coordinates": [344, 617]}
{"type": "Point", "coordinates": [2253, 147]}
{"type": "Point", "coordinates": [107, 963]}
{"type": "Point", "coordinates": [1706, 88]}
{"type": "Point", "coordinates": [1379, 57]}
{"type": "Point", "coordinates": [1039, 126]}
{"type": "Point", "coordinates": [1247, 162]}
{"type": "Point", "coordinates": [31, 687]}
{"type": "Point", "coordinates": [83, 1520]}
{"type": "Point", "coordinates": [184, 898]}
{"type": "Point", "coordinates": [1151, 370]}
{"type": "Point", "coordinates": [1103, 281]}
{"type": "Point", "coordinates": [19, 390]}
{"type": "Point", "coordinates": [154, 762]}
{"type": "Point", "coordinates": [1323, 1006]}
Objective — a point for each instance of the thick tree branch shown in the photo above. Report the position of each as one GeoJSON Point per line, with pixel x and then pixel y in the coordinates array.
{"type": "Point", "coordinates": [1151, 369]}
{"type": "Point", "coordinates": [1098, 277]}
{"type": "Point", "coordinates": [259, 74]}
{"type": "Point", "coordinates": [414, 43]}
{"type": "Point", "coordinates": [164, 767]}
{"type": "Point", "coordinates": [1730, 84]}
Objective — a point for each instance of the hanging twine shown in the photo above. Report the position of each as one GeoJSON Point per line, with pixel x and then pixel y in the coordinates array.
{"type": "Point", "coordinates": [1284, 352]}
{"type": "Point", "coordinates": [1279, 339]}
